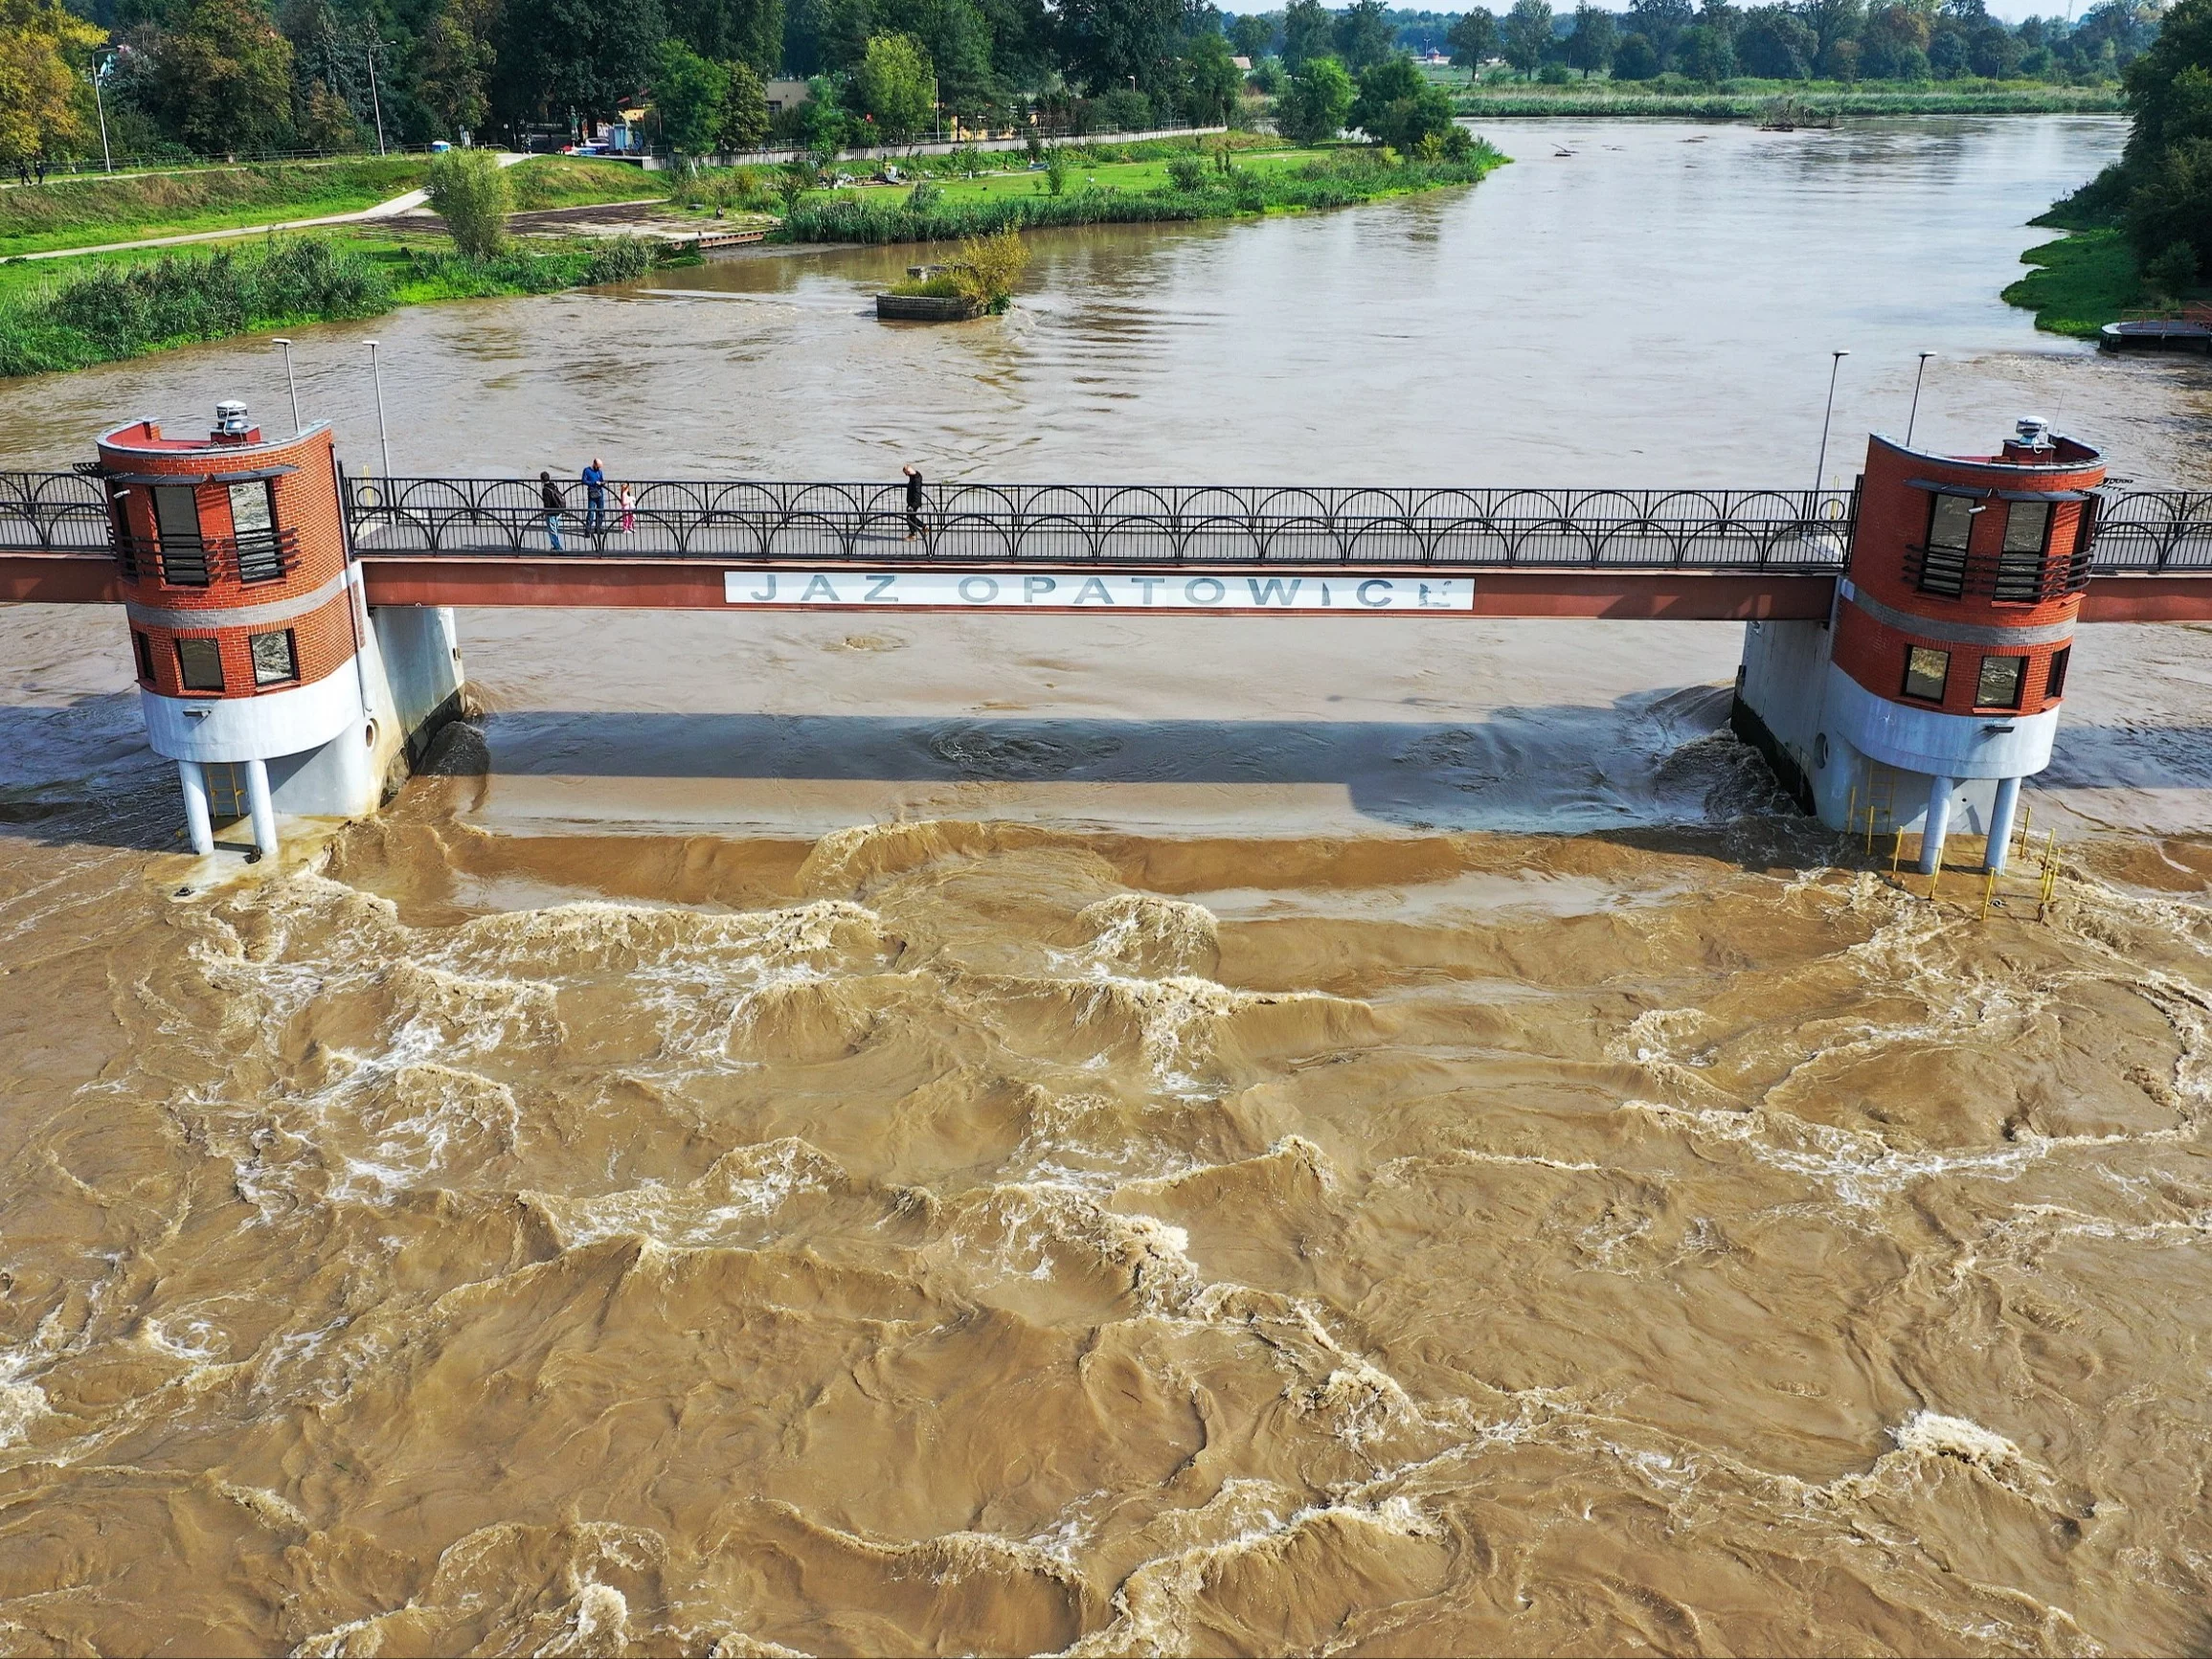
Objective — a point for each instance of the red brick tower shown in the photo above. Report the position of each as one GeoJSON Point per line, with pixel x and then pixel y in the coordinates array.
{"type": "Point", "coordinates": [244, 626]}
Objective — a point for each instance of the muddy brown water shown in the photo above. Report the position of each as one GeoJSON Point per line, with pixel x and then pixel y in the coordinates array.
{"type": "Point", "coordinates": [975, 1134]}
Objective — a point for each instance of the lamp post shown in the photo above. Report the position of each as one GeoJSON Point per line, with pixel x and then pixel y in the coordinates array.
{"type": "Point", "coordinates": [291, 381]}
{"type": "Point", "coordinates": [1821, 468]}
{"type": "Point", "coordinates": [1912, 419]}
{"type": "Point", "coordinates": [100, 70]}
{"type": "Point", "coordinates": [383, 438]}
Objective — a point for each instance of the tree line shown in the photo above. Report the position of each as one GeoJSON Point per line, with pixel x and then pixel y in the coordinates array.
{"type": "Point", "coordinates": [2160, 191]}
{"type": "Point", "coordinates": [1841, 40]}
{"type": "Point", "coordinates": [224, 76]}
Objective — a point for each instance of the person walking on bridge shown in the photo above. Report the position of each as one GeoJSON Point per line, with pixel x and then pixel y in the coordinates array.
{"type": "Point", "coordinates": [594, 478]}
{"type": "Point", "coordinates": [914, 500]}
{"type": "Point", "coordinates": [550, 494]}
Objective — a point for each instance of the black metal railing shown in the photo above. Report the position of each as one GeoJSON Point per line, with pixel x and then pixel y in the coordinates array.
{"type": "Point", "coordinates": [52, 511]}
{"type": "Point", "coordinates": [1071, 524]}
{"type": "Point", "coordinates": [2012, 578]}
{"type": "Point", "coordinates": [259, 556]}
{"type": "Point", "coordinates": [2152, 530]}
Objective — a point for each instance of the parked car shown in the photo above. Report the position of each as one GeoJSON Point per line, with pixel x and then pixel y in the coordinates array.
{"type": "Point", "coordinates": [439, 147]}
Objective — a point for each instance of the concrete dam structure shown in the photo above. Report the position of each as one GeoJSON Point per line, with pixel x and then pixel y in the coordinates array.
{"type": "Point", "coordinates": [1905, 646]}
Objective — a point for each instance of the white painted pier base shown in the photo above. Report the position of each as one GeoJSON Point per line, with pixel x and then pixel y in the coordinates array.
{"type": "Point", "coordinates": [334, 749]}
{"type": "Point", "coordinates": [1840, 750]}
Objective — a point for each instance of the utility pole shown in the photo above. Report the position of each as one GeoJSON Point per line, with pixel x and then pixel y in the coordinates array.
{"type": "Point", "coordinates": [101, 73]}
{"type": "Point", "coordinates": [375, 98]}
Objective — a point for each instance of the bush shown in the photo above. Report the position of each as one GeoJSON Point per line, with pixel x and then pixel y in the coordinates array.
{"type": "Point", "coordinates": [2173, 273]}
{"type": "Point", "coordinates": [117, 311]}
{"type": "Point", "coordinates": [470, 192]}
{"type": "Point", "coordinates": [1056, 169]}
{"type": "Point", "coordinates": [1187, 171]}
{"type": "Point", "coordinates": [990, 267]}
{"type": "Point", "coordinates": [1125, 109]}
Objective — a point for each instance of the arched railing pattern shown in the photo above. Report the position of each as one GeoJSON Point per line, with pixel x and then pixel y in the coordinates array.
{"type": "Point", "coordinates": [980, 524]}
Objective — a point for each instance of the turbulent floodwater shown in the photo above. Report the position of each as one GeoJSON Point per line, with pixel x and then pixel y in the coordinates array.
{"type": "Point", "coordinates": [1020, 1136]}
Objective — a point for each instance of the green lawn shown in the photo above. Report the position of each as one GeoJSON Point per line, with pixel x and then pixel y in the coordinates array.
{"type": "Point", "coordinates": [568, 181]}
{"type": "Point", "coordinates": [86, 212]}
{"type": "Point", "coordinates": [1131, 175]}
{"type": "Point", "coordinates": [2080, 283]}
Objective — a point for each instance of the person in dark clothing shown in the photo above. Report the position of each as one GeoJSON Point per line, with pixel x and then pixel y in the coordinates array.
{"type": "Point", "coordinates": [595, 478]}
{"type": "Point", "coordinates": [549, 493]}
{"type": "Point", "coordinates": [914, 500]}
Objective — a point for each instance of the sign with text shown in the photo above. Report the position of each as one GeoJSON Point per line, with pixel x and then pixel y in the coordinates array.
{"type": "Point", "coordinates": [1172, 590]}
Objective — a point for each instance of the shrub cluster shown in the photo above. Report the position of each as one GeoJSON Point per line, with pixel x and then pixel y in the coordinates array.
{"type": "Point", "coordinates": [1352, 175]}
{"type": "Point", "coordinates": [115, 312]}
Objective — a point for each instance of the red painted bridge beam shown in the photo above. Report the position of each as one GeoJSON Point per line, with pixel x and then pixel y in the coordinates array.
{"type": "Point", "coordinates": [693, 584]}
{"type": "Point", "coordinates": [87, 577]}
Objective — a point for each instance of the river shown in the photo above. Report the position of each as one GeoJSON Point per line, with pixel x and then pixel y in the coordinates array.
{"type": "Point", "coordinates": [980, 1133]}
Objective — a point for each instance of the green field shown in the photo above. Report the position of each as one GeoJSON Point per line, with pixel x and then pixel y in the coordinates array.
{"type": "Point", "coordinates": [2078, 282]}
{"type": "Point", "coordinates": [86, 212]}
{"type": "Point", "coordinates": [1131, 175]}
{"type": "Point", "coordinates": [83, 213]}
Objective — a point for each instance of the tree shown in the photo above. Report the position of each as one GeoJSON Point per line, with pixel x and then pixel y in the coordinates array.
{"type": "Point", "coordinates": [1777, 44]}
{"type": "Point", "coordinates": [221, 79]}
{"type": "Point", "coordinates": [469, 191]}
{"type": "Point", "coordinates": [1473, 39]}
{"type": "Point", "coordinates": [1211, 82]}
{"type": "Point", "coordinates": [1591, 47]}
{"type": "Point", "coordinates": [744, 109]}
{"type": "Point", "coordinates": [588, 56]}
{"type": "Point", "coordinates": [325, 120]}
{"type": "Point", "coordinates": [1252, 35]}
{"type": "Point", "coordinates": [2172, 203]}
{"type": "Point", "coordinates": [1708, 55]}
{"type": "Point", "coordinates": [1109, 43]}
{"type": "Point", "coordinates": [453, 65]}
{"type": "Point", "coordinates": [1634, 59]}
{"type": "Point", "coordinates": [1947, 53]}
{"type": "Point", "coordinates": [1306, 33]}
{"type": "Point", "coordinates": [1363, 35]}
{"type": "Point", "coordinates": [748, 31]}
{"type": "Point", "coordinates": [1399, 105]}
{"type": "Point", "coordinates": [688, 96]}
{"type": "Point", "coordinates": [1317, 104]}
{"type": "Point", "coordinates": [1525, 34]}
{"type": "Point", "coordinates": [38, 82]}
{"type": "Point", "coordinates": [896, 84]}
{"type": "Point", "coordinates": [1662, 23]}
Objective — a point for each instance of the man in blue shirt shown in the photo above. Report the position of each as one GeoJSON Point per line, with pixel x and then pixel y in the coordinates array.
{"type": "Point", "coordinates": [594, 477]}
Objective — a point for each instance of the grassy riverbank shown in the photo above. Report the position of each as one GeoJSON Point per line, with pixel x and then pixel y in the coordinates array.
{"type": "Point", "coordinates": [1744, 100]}
{"type": "Point", "coordinates": [87, 212]}
{"type": "Point", "coordinates": [82, 212]}
{"type": "Point", "coordinates": [114, 307]}
{"type": "Point", "coordinates": [2078, 282]}
{"type": "Point", "coordinates": [1139, 192]}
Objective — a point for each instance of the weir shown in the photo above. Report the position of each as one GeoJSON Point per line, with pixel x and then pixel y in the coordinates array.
{"type": "Point", "coordinates": [1905, 651]}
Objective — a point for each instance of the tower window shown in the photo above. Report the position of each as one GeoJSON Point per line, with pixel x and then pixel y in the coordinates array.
{"type": "Point", "coordinates": [144, 648]}
{"type": "Point", "coordinates": [199, 664]}
{"type": "Point", "coordinates": [254, 526]}
{"type": "Point", "coordinates": [176, 518]}
{"type": "Point", "coordinates": [1999, 685]}
{"type": "Point", "coordinates": [276, 659]}
{"type": "Point", "coordinates": [1943, 561]}
{"type": "Point", "coordinates": [2019, 563]}
{"type": "Point", "coordinates": [1925, 671]}
{"type": "Point", "coordinates": [2055, 683]}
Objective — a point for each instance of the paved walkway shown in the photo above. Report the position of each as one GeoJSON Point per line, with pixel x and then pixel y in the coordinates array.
{"type": "Point", "coordinates": [391, 209]}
